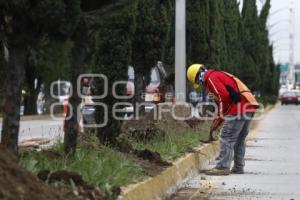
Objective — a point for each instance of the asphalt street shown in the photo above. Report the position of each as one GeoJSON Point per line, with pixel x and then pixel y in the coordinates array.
{"type": "Point", "coordinates": [272, 168]}
{"type": "Point", "coordinates": [48, 128]}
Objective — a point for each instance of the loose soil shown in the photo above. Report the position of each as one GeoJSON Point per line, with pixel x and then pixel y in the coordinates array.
{"type": "Point", "coordinates": [150, 169]}
{"type": "Point", "coordinates": [16, 183]}
{"type": "Point", "coordinates": [150, 127]}
{"type": "Point", "coordinates": [51, 154]}
{"type": "Point", "coordinates": [83, 190]}
{"type": "Point", "coordinates": [153, 157]}
{"type": "Point", "coordinates": [157, 124]}
{"type": "Point", "coordinates": [151, 161]}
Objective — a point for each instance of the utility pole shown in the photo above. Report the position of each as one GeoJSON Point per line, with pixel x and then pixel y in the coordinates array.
{"type": "Point", "coordinates": [180, 51]}
{"type": "Point", "coordinates": [291, 79]}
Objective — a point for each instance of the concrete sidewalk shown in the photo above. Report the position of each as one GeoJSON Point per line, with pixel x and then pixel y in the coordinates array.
{"type": "Point", "coordinates": [272, 161]}
{"type": "Point", "coordinates": [272, 164]}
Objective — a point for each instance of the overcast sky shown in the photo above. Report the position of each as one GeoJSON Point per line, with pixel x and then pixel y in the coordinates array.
{"type": "Point", "coordinates": [279, 29]}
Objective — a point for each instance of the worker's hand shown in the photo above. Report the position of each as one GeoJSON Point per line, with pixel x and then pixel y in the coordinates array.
{"type": "Point", "coordinates": [215, 125]}
{"type": "Point", "coordinates": [217, 122]}
{"type": "Point", "coordinates": [211, 137]}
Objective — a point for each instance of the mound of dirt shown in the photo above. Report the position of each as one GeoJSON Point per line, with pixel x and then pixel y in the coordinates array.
{"type": "Point", "coordinates": [166, 119]}
{"type": "Point", "coordinates": [16, 183]}
{"type": "Point", "coordinates": [61, 176]}
{"type": "Point", "coordinates": [83, 190]}
{"type": "Point", "coordinates": [51, 154]}
{"type": "Point", "coordinates": [154, 157]}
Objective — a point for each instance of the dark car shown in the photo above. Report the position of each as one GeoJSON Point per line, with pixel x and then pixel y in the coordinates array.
{"type": "Point", "coordinates": [290, 97]}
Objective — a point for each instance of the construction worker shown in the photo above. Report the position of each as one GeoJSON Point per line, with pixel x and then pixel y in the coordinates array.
{"type": "Point", "coordinates": [236, 107]}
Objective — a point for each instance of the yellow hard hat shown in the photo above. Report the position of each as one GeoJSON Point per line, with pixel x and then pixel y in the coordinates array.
{"type": "Point", "coordinates": [192, 73]}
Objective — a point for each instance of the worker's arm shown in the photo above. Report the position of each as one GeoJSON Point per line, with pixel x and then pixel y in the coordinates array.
{"type": "Point", "coordinates": [215, 86]}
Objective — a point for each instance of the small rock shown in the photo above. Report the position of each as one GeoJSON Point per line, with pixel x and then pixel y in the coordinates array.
{"type": "Point", "coordinates": [203, 178]}
{"type": "Point", "coordinates": [223, 183]}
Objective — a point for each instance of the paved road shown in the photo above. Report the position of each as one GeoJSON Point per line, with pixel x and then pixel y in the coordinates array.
{"type": "Point", "coordinates": [272, 164]}
{"type": "Point", "coordinates": [40, 128]}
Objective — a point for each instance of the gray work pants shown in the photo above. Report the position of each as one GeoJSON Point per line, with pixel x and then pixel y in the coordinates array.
{"type": "Point", "coordinates": [232, 140]}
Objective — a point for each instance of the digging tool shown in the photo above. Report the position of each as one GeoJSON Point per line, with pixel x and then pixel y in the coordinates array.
{"type": "Point", "coordinates": [215, 125]}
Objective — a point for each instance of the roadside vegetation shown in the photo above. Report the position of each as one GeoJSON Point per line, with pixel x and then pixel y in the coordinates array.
{"type": "Point", "coordinates": [103, 168]}
{"type": "Point", "coordinates": [268, 100]}
{"type": "Point", "coordinates": [107, 169]}
{"type": "Point", "coordinates": [174, 146]}
{"type": "Point", "coordinates": [60, 40]}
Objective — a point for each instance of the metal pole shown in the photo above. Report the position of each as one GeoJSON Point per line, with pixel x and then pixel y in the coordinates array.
{"type": "Point", "coordinates": [180, 51]}
{"type": "Point", "coordinates": [292, 39]}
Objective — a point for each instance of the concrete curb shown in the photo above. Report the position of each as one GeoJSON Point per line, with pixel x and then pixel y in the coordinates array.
{"type": "Point", "coordinates": [166, 183]}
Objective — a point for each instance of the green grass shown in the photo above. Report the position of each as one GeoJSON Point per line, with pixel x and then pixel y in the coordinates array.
{"type": "Point", "coordinates": [103, 168]}
{"type": "Point", "coordinates": [107, 169]}
{"type": "Point", "coordinates": [174, 146]}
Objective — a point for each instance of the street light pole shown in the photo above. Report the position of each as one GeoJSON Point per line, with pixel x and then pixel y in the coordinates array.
{"type": "Point", "coordinates": [292, 40]}
{"type": "Point", "coordinates": [180, 51]}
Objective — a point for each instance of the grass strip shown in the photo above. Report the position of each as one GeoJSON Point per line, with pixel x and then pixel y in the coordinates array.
{"type": "Point", "coordinates": [173, 145]}
{"type": "Point", "coordinates": [103, 168]}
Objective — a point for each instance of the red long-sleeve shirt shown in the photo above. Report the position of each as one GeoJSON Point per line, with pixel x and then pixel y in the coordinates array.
{"type": "Point", "coordinates": [215, 82]}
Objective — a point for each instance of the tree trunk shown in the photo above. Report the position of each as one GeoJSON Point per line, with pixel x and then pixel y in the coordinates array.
{"type": "Point", "coordinates": [2, 65]}
{"type": "Point", "coordinates": [30, 108]}
{"type": "Point", "coordinates": [79, 53]}
{"type": "Point", "coordinates": [139, 89]}
{"type": "Point", "coordinates": [14, 73]}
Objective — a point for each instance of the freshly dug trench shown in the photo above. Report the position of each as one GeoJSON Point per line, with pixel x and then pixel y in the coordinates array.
{"type": "Point", "coordinates": [155, 157]}
{"type": "Point", "coordinates": [83, 190]}
{"type": "Point", "coordinates": [61, 175]}
{"type": "Point", "coordinates": [124, 146]}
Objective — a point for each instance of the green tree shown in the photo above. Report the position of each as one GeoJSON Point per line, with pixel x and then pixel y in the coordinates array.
{"type": "Point", "coordinates": [232, 25]}
{"type": "Point", "coordinates": [86, 38]}
{"type": "Point", "coordinates": [198, 32]}
{"type": "Point", "coordinates": [111, 59]}
{"type": "Point", "coordinates": [133, 35]}
{"type": "Point", "coordinates": [218, 55]}
{"type": "Point", "coordinates": [206, 39]}
{"type": "Point", "coordinates": [84, 52]}
{"type": "Point", "coordinates": [150, 29]}
{"type": "Point", "coordinates": [78, 62]}
{"type": "Point", "coordinates": [249, 71]}
{"type": "Point", "coordinates": [23, 23]}
{"type": "Point", "coordinates": [47, 61]}
{"type": "Point", "coordinates": [168, 49]}
{"type": "Point", "coordinates": [268, 70]}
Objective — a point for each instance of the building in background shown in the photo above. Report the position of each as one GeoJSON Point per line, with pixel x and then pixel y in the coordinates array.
{"type": "Point", "coordinates": [284, 72]}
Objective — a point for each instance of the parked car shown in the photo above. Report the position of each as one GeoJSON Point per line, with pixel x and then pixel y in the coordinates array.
{"type": "Point", "coordinates": [290, 97]}
{"type": "Point", "coordinates": [156, 91]}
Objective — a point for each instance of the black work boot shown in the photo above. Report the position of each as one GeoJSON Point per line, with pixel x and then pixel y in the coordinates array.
{"type": "Point", "coordinates": [236, 170]}
{"type": "Point", "coordinates": [218, 172]}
